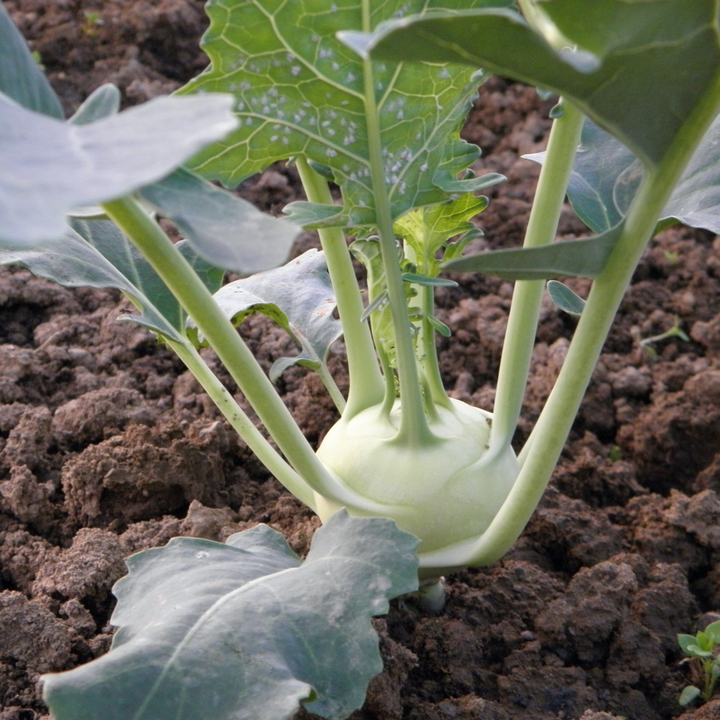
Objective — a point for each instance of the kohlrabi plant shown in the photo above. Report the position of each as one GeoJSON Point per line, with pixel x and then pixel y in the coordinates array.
{"type": "Point", "coordinates": [702, 650]}
{"type": "Point", "coordinates": [369, 98]}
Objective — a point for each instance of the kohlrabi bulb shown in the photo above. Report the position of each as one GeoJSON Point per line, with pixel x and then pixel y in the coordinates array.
{"type": "Point", "coordinates": [444, 493]}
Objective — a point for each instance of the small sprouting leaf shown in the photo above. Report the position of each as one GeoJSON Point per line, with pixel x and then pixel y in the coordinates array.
{"type": "Point", "coordinates": [298, 297]}
{"type": "Point", "coordinates": [20, 77]}
{"type": "Point", "coordinates": [624, 71]}
{"type": "Point", "coordinates": [374, 305]}
{"type": "Point", "coordinates": [441, 327]}
{"type": "Point", "coordinates": [101, 103]}
{"type": "Point", "coordinates": [300, 92]}
{"type": "Point", "coordinates": [698, 651]}
{"type": "Point", "coordinates": [689, 694]}
{"type": "Point", "coordinates": [685, 641]}
{"type": "Point", "coordinates": [567, 258]}
{"type": "Point", "coordinates": [244, 630]}
{"type": "Point", "coordinates": [428, 281]}
{"type": "Point", "coordinates": [712, 631]}
{"type": "Point", "coordinates": [226, 230]}
{"type": "Point", "coordinates": [50, 166]}
{"type": "Point", "coordinates": [606, 175]}
{"type": "Point", "coordinates": [565, 298]}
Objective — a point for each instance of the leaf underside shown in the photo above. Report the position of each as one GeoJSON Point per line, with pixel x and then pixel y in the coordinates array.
{"type": "Point", "coordinates": [298, 297]}
{"type": "Point", "coordinates": [96, 254]}
{"type": "Point", "coordinates": [245, 630]}
{"type": "Point", "coordinates": [50, 166]}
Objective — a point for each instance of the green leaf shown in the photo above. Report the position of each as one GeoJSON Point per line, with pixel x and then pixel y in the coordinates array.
{"type": "Point", "coordinates": [20, 77]}
{"type": "Point", "coordinates": [689, 694]}
{"type": "Point", "coordinates": [312, 216]}
{"type": "Point", "coordinates": [50, 166]}
{"type": "Point", "coordinates": [226, 230]}
{"type": "Point", "coordinates": [637, 60]}
{"type": "Point", "coordinates": [713, 632]}
{"type": "Point", "coordinates": [245, 630]}
{"type": "Point", "coordinates": [606, 175]}
{"type": "Point", "coordinates": [298, 297]}
{"type": "Point", "coordinates": [300, 92]}
{"type": "Point", "coordinates": [568, 258]}
{"type": "Point", "coordinates": [101, 103]}
{"type": "Point", "coordinates": [684, 641]}
{"type": "Point", "coordinates": [428, 230]}
{"type": "Point", "coordinates": [567, 300]}
{"type": "Point", "coordinates": [97, 254]}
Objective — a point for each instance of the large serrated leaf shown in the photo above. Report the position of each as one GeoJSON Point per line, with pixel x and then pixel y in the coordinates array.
{"type": "Point", "coordinates": [301, 92]}
{"type": "Point", "coordinates": [226, 230]}
{"type": "Point", "coordinates": [20, 77]}
{"type": "Point", "coordinates": [243, 630]}
{"type": "Point", "coordinates": [651, 63]}
{"type": "Point", "coordinates": [49, 167]}
{"type": "Point", "coordinates": [298, 297]}
{"type": "Point", "coordinates": [96, 254]}
{"type": "Point", "coordinates": [606, 175]}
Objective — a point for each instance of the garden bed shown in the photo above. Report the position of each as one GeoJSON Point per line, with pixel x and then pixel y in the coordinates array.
{"type": "Point", "coordinates": [107, 446]}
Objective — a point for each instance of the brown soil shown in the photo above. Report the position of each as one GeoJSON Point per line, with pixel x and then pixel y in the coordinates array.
{"type": "Point", "coordinates": [107, 446]}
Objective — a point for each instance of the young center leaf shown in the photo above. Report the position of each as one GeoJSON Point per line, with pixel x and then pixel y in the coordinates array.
{"type": "Point", "coordinates": [299, 91]}
{"type": "Point", "coordinates": [245, 630]}
{"type": "Point", "coordinates": [298, 297]}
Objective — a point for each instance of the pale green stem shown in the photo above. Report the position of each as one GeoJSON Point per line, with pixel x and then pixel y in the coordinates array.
{"type": "Point", "coordinates": [331, 386]}
{"type": "Point", "coordinates": [425, 300]}
{"type": "Point", "coordinates": [414, 429]}
{"type": "Point", "coordinates": [242, 424]}
{"type": "Point", "coordinates": [366, 382]}
{"type": "Point", "coordinates": [197, 301]}
{"type": "Point", "coordinates": [527, 295]}
{"type": "Point", "coordinates": [200, 305]}
{"type": "Point", "coordinates": [558, 415]}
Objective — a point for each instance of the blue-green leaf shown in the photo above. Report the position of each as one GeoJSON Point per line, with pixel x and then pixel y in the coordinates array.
{"type": "Point", "coordinates": [49, 166]}
{"type": "Point", "coordinates": [226, 230]}
{"type": "Point", "coordinates": [298, 297]}
{"type": "Point", "coordinates": [244, 630]}
{"type": "Point", "coordinates": [606, 176]}
{"type": "Point", "coordinates": [688, 694]}
{"type": "Point", "coordinates": [20, 77]}
{"type": "Point", "coordinates": [640, 71]}
{"type": "Point", "coordinates": [564, 298]}
{"type": "Point", "coordinates": [96, 254]}
{"type": "Point", "coordinates": [101, 103]}
{"type": "Point", "coordinates": [568, 258]}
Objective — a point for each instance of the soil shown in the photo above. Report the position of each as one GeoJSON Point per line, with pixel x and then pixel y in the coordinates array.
{"type": "Point", "coordinates": [107, 446]}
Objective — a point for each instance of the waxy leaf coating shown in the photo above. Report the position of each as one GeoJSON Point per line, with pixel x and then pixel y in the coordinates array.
{"type": "Point", "coordinates": [642, 69]}
{"type": "Point", "coordinates": [298, 297]}
{"type": "Point", "coordinates": [245, 630]}
{"type": "Point", "coordinates": [49, 166]}
{"type": "Point", "coordinates": [606, 176]}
